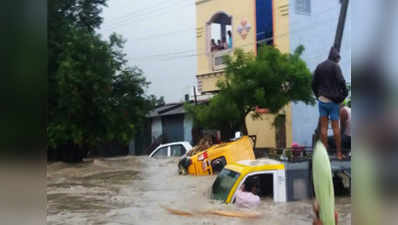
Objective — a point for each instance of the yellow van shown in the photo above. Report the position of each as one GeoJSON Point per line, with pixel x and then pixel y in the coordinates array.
{"type": "Point", "coordinates": [213, 159]}
{"type": "Point", "coordinates": [269, 175]}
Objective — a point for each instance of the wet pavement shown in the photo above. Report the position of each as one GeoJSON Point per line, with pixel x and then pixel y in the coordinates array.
{"type": "Point", "coordinates": [136, 190]}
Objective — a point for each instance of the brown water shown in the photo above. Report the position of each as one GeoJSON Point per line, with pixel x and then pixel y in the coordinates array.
{"type": "Point", "coordinates": [135, 190]}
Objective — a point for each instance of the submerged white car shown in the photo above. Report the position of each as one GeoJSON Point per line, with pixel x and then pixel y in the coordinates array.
{"type": "Point", "coordinates": [174, 149]}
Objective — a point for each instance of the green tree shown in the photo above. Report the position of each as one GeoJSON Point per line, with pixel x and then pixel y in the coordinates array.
{"type": "Point", "coordinates": [67, 19]}
{"type": "Point", "coordinates": [156, 102]}
{"type": "Point", "coordinates": [220, 113]}
{"type": "Point", "coordinates": [94, 96]}
{"type": "Point", "coordinates": [269, 80]}
{"type": "Point", "coordinates": [64, 18]}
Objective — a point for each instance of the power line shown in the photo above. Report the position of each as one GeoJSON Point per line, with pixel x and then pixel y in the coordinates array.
{"type": "Point", "coordinates": [146, 16]}
{"type": "Point", "coordinates": [165, 34]}
{"type": "Point", "coordinates": [139, 11]}
{"type": "Point", "coordinates": [176, 55]}
{"type": "Point", "coordinates": [328, 10]}
{"type": "Point", "coordinates": [134, 18]}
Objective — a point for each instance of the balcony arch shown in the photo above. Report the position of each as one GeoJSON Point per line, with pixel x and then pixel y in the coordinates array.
{"type": "Point", "coordinates": [219, 29]}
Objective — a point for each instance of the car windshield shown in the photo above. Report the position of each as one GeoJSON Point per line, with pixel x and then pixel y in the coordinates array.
{"type": "Point", "coordinates": [223, 184]}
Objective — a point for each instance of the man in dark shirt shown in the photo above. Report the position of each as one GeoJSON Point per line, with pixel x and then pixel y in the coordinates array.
{"type": "Point", "coordinates": [330, 88]}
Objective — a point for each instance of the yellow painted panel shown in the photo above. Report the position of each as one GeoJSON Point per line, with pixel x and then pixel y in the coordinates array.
{"type": "Point", "coordinates": [240, 149]}
{"type": "Point", "coordinates": [264, 129]}
{"type": "Point", "coordinates": [281, 25]}
{"type": "Point", "coordinates": [209, 82]}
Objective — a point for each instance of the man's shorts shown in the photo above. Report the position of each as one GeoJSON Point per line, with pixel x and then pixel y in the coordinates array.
{"type": "Point", "coordinates": [330, 110]}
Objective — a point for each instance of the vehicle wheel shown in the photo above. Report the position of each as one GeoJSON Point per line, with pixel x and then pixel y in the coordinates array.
{"type": "Point", "coordinates": [218, 164]}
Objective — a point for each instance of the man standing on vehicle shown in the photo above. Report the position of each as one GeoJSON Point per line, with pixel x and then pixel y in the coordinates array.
{"type": "Point", "coordinates": [330, 88]}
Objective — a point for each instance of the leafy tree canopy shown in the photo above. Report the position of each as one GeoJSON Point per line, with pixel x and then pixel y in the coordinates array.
{"type": "Point", "coordinates": [269, 80]}
{"type": "Point", "coordinates": [94, 96]}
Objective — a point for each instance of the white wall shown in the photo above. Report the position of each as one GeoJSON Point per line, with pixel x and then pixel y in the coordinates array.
{"type": "Point", "coordinates": [156, 127]}
{"type": "Point", "coordinates": [316, 32]}
{"type": "Point", "coordinates": [188, 124]}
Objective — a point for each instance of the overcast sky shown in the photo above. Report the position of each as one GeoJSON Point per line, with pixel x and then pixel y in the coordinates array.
{"type": "Point", "coordinates": [161, 40]}
{"type": "Point", "coordinates": [156, 29]}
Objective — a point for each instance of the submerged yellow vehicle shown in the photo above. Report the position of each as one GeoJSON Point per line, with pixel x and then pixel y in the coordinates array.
{"type": "Point", "coordinates": [269, 175]}
{"type": "Point", "coordinates": [213, 159]}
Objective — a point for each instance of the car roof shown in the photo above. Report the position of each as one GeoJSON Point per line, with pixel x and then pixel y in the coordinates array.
{"type": "Point", "coordinates": [248, 166]}
{"type": "Point", "coordinates": [259, 162]}
{"type": "Point", "coordinates": [175, 143]}
{"type": "Point", "coordinates": [185, 143]}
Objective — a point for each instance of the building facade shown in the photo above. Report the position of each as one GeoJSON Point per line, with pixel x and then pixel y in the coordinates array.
{"type": "Point", "coordinates": [313, 24]}
{"type": "Point", "coordinates": [224, 25]}
{"type": "Point", "coordinates": [171, 122]}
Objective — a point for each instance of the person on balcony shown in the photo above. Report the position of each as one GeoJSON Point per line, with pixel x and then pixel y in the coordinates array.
{"type": "Point", "coordinates": [224, 43]}
{"type": "Point", "coordinates": [213, 45]}
{"type": "Point", "coordinates": [229, 39]}
{"type": "Point", "coordinates": [219, 45]}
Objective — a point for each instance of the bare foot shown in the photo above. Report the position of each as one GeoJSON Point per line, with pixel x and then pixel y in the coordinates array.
{"type": "Point", "coordinates": [317, 219]}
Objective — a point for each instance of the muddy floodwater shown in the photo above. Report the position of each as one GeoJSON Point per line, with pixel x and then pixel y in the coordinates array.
{"type": "Point", "coordinates": [136, 190]}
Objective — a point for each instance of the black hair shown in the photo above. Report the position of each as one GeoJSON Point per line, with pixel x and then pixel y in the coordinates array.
{"type": "Point", "coordinates": [250, 183]}
{"type": "Point", "coordinates": [334, 55]}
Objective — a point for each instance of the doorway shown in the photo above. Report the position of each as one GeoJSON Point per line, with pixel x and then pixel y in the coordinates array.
{"type": "Point", "coordinates": [280, 131]}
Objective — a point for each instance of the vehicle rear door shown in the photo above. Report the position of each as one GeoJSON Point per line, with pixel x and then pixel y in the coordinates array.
{"type": "Point", "coordinates": [177, 150]}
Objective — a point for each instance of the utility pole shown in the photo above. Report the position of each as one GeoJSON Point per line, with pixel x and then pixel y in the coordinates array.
{"type": "Point", "coordinates": [194, 95]}
{"type": "Point", "coordinates": [340, 26]}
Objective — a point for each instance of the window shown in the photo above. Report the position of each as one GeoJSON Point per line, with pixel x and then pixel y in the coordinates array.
{"type": "Point", "coordinates": [219, 60]}
{"type": "Point", "coordinates": [220, 32]}
{"type": "Point", "coordinates": [223, 184]}
{"type": "Point", "coordinates": [219, 39]}
{"type": "Point", "coordinates": [264, 22]}
{"type": "Point", "coordinates": [177, 150]}
{"type": "Point", "coordinates": [261, 185]}
{"type": "Point", "coordinates": [161, 153]}
{"type": "Point", "coordinates": [303, 7]}
{"type": "Point", "coordinates": [265, 185]}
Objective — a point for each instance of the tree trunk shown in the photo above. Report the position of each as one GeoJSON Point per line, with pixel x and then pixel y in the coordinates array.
{"type": "Point", "coordinates": [244, 127]}
{"type": "Point", "coordinates": [245, 131]}
{"type": "Point", "coordinates": [243, 124]}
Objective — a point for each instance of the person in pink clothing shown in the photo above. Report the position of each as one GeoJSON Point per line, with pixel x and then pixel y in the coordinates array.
{"type": "Point", "coordinates": [246, 197]}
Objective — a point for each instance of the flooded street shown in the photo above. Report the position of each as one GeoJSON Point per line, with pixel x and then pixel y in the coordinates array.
{"type": "Point", "coordinates": [136, 190]}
